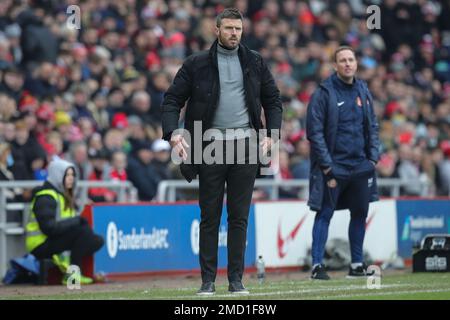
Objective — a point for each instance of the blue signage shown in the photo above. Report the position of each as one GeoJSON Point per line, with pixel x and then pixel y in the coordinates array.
{"type": "Point", "coordinates": [416, 219]}
{"type": "Point", "coordinates": [146, 238]}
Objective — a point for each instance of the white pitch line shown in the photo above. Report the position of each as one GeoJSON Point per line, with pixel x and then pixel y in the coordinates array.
{"type": "Point", "coordinates": [301, 284]}
{"type": "Point", "coordinates": [302, 291]}
{"type": "Point", "coordinates": [376, 293]}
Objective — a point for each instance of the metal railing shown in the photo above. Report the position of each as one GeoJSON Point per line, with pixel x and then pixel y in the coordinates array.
{"type": "Point", "coordinates": [167, 189]}
{"type": "Point", "coordinates": [126, 192]}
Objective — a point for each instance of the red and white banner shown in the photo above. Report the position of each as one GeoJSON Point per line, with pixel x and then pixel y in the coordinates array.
{"type": "Point", "coordinates": [284, 231]}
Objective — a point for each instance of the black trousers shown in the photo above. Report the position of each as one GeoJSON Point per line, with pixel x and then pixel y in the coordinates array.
{"type": "Point", "coordinates": [80, 241]}
{"type": "Point", "coordinates": [240, 179]}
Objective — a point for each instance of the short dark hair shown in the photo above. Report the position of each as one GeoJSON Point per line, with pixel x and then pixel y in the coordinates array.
{"type": "Point", "coordinates": [228, 13]}
{"type": "Point", "coordinates": [342, 48]}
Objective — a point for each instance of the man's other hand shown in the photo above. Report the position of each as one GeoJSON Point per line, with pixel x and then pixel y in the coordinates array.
{"type": "Point", "coordinates": [266, 144]}
{"type": "Point", "coordinates": [331, 181]}
{"type": "Point", "coordinates": [180, 145]}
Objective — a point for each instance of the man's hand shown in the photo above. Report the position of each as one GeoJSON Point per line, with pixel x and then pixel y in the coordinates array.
{"type": "Point", "coordinates": [329, 176]}
{"type": "Point", "coordinates": [332, 183]}
{"type": "Point", "coordinates": [327, 170]}
{"type": "Point", "coordinates": [266, 144]}
{"type": "Point", "coordinates": [179, 144]}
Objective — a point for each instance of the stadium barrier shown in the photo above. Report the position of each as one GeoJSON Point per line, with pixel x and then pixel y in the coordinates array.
{"type": "Point", "coordinates": [154, 238]}
{"type": "Point", "coordinates": [284, 231]}
{"type": "Point", "coordinates": [167, 189]}
{"type": "Point", "coordinates": [394, 228]}
{"type": "Point", "coordinates": [158, 238]}
{"type": "Point", "coordinates": [417, 218]}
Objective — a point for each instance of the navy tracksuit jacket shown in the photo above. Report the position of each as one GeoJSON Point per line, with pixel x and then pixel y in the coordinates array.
{"type": "Point", "coordinates": [343, 132]}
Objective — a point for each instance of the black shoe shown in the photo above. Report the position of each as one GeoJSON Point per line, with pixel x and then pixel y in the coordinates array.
{"type": "Point", "coordinates": [358, 272]}
{"type": "Point", "coordinates": [319, 273]}
{"type": "Point", "coordinates": [236, 287]}
{"type": "Point", "coordinates": [207, 289]}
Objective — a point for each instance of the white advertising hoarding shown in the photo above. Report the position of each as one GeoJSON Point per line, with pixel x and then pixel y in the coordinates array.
{"type": "Point", "coordinates": [284, 231]}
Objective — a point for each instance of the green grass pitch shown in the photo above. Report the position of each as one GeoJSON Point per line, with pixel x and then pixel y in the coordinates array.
{"type": "Point", "coordinates": [404, 286]}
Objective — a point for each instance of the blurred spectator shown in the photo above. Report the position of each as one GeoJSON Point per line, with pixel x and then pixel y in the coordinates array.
{"type": "Point", "coordinates": [114, 140]}
{"type": "Point", "coordinates": [12, 83]}
{"type": "Point", "coordinates": [29, 156]}
{"type": "Point", "coordinates": [408, 170]}
{"type": "Point", "coordinates": [386, 168]}
{"type": "Point", "coordinates": [119, 165]}
{"type": "Point", "coordinates": [136, 130]}
{"type": "Point", "coordinates": [100, 172]}
{"type": "Point", "coordinates": [9, 132]}
{"type": "Point", "coordinates": [44, 121]}
{"type": "Point", "coordinates": [5, 55]}
{"type": "Point", "coordinates": [444, 170]}
{"type": "Point", "coordinates": [37, 42]}
{"type": "Point", "coordinates": [142, 173]}
{"type": "Point", "coordinates": [95, 143]}
{"type": "Point", "coordinates": [120, 121]}
{"type": "Point", "coordinates": [161, 158]}
{"type": "Point", "coordinates": [86, 126]}
{"type": "Point", "coordinates": [42, 81]}
{"type": "Point", "coordinates": [160, 84]}
{"type": "Point", "coordinates": [118, 168]}
{"type": "Point", "coordinates": [13, 33]}
{"type": "Point", "coordinates": [140, 106]}
{"type": "Point", "coordinates": [80, 103]}
{"type": "Point", "coordinates": [98, 108]}
{"type": "Point", "coordinates": [78, 155]}
{"type": "Point", "coordinates": [7, 161]}
{"type": "Point", "coordinates": [301, 162]}
{"type": "Point", "coordinates": [116, 101]}
{"type": "Point", "coordinates": [54, 145]}
{"type": "Point", "coordinates": [8, 108]}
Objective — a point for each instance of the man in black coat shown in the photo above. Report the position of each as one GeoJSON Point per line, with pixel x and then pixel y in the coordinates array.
{"type": "Point", "coordinates": [226, 88]}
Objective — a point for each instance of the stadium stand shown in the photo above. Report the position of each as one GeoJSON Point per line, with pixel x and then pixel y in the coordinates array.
{"type": "Point", "coordinates": [87, 93]}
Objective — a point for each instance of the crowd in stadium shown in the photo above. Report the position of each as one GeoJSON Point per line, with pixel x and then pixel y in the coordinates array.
{"type": "Point", "coordinates": [92, 95]}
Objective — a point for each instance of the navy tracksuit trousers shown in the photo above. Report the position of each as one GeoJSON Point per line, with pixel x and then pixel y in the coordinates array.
{"type": "Point", "coordinates": [354, 187]}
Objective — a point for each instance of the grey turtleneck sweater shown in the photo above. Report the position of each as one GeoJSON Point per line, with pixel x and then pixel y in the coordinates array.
{"type": "Point", "coordinates": [231, 111]}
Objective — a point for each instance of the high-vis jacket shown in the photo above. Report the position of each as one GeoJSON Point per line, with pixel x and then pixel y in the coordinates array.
{"type": "Point", "coordinates": [34, 235]}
